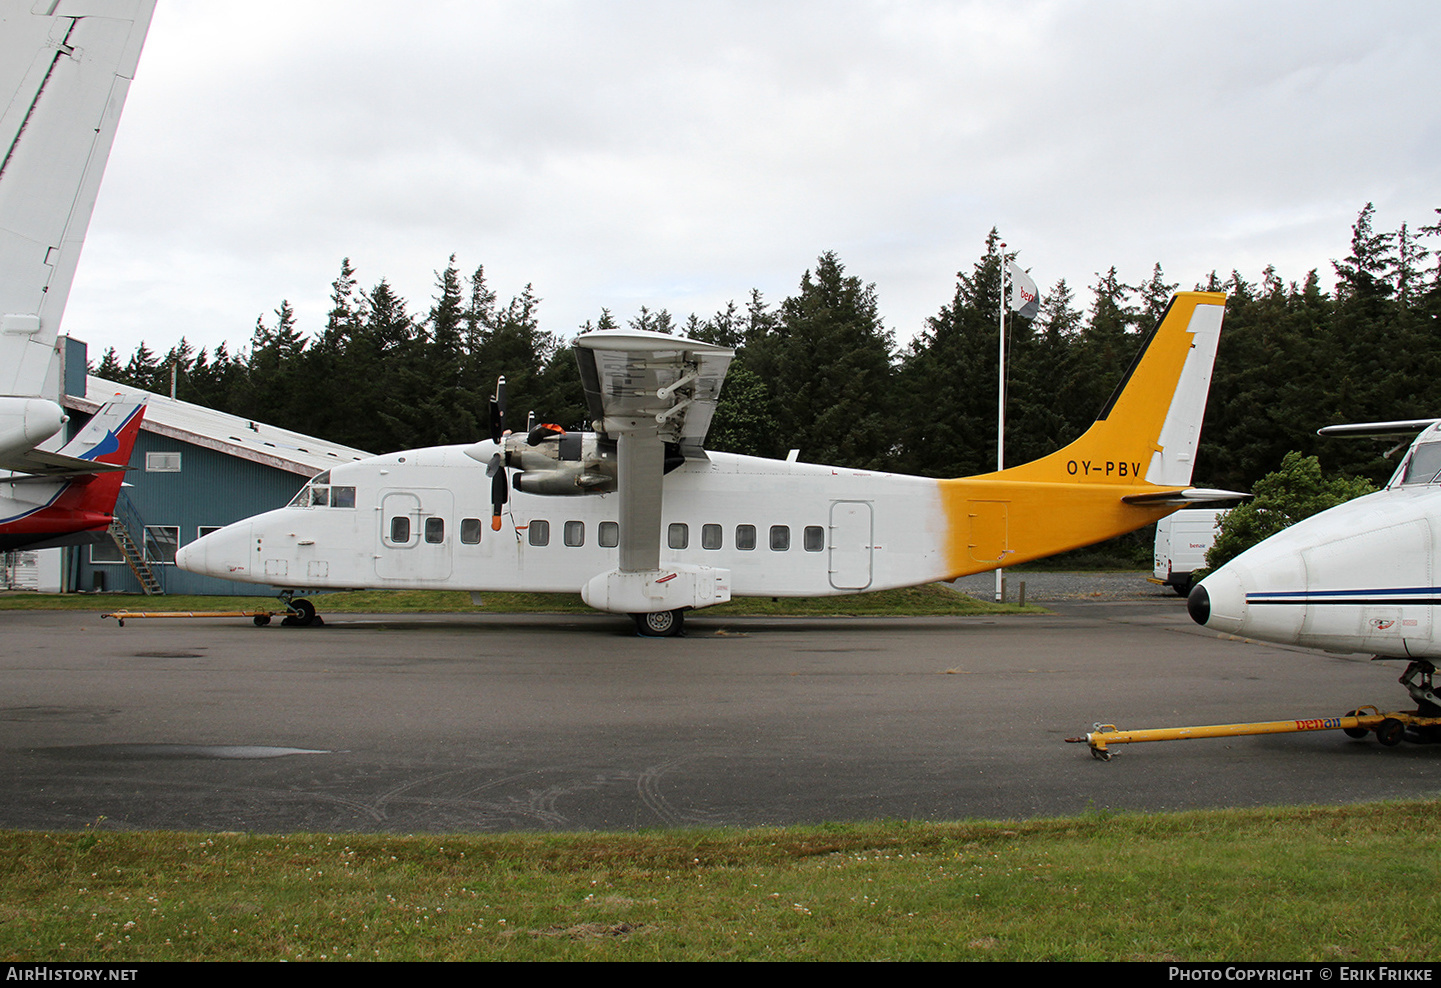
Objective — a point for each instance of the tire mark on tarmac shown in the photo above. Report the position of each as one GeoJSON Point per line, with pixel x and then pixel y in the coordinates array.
{"type": "Point", "coordinates": [647, 786]}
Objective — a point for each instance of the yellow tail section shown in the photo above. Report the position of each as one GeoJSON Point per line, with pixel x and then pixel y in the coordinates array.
{"type": "Point", "coordinates": [1143, 442]}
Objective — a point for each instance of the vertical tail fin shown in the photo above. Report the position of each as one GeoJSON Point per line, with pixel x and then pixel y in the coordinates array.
{"type": "Point", "coordinates": [1117, 476]}
{"type": "Point", "coordinates": [65, 70]}
{"type": "Point", "coordinates": [107, 440]}
{"type": "Point", "coordinates": [87, 474]}
{"type": "Point", "coordinates": [1149, 430]}
{"type": "Point", "coordinates": [109, 436]}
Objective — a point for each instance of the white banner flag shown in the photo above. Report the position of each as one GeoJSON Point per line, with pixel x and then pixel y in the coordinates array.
{"type": "Point", "coordinates": [1025, 300]}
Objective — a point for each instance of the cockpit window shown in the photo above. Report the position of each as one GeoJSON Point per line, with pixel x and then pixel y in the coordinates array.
{"type": "Point", "coordinates": [318, 495]}
{"type": "Point", "coordinates": [1424, 464]}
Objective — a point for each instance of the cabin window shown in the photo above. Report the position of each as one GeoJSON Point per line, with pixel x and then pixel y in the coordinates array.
{"type": "Point", "coordinates": [575, 533]}
{"type": "Point", "coordinates": [710, 536]}
{"type": "Point", "coordinates": [539, 533]}
{"type": "Point", "coordinates": [780, 537]}
{"type": "Point", "coordinates": [745, 536]}
{"type": "Point", "coordinates": [609, 535]}
{"type": "Point", "coordinates": [435, 530]}
{"type": "Point", "coordinates": [815, 538]}
{"type": "Point", "coordinates": [400, 529]}
{"type": "Point", "coordinates": [470, 531]}
{"type": "Point", "coordinates": [678, 535]}
{"type": "Point", "coordinates": [161, 542]}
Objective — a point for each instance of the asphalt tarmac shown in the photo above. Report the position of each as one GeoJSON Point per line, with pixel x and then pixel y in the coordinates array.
{"type": "Point", "coordinates": [486, 723]}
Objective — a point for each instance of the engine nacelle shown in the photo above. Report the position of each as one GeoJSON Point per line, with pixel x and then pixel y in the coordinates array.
{"type": "Point", "coordinates": [27, 422]}
{"type": "Point", "coordinates": [562, 464]}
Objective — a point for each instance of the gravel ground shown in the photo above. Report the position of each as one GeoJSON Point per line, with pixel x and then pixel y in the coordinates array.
{"type": "Point", "coordinates": [1041, 587]}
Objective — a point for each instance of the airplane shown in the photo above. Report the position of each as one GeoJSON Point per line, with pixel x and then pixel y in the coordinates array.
{"type": "Point", "coordinates": [68, 497]}
{"type": "Point", "coordinates": [1359, 577]}
{"type": "Point", "coordinates": [640, 519]}
{"type": "Point", "coordinates": [65, 69]}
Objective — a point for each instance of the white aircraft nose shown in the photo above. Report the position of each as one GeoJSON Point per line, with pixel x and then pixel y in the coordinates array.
{"type": "Point", "coordinates": [1219, 601]}
{"type": "Point", "coordinates": [191, 558]}
{"type": "Point", "coordinates": [221, 553]}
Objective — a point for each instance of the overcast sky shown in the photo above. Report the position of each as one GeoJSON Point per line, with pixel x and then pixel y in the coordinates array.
{"type": "Point", "coordinates": [618, 153]}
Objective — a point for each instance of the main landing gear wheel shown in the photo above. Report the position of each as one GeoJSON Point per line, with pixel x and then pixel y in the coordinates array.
{"type": "Point", "coordinates": [661, 624]}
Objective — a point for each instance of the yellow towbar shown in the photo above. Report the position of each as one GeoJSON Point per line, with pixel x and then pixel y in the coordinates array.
{"type": "Point", "coordinates": [261, 618]}
{"type": "Point", "coordinates": [1389, 728]}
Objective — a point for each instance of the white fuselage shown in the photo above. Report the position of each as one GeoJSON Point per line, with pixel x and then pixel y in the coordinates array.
{"type": "Point", "coordinates": [780, 528]}
{"type": "Point", "coordinates": [1360, 577]}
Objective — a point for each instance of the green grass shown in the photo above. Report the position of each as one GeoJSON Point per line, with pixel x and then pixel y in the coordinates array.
{"type": "Point", "coordinates": [935, 599]}
{"type": "Point", "coordinates": [1349, 883]}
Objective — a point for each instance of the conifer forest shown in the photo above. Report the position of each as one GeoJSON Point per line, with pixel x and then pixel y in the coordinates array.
{"type": "Point", "coordinates": [820, 371]}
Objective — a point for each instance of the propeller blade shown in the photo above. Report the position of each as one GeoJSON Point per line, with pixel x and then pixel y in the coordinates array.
{"type": "Point", "coordinates": [493, 465]}
{"type": "Point", "coordinates": [499, 491]}
{"type": "Point", "coordinates": [497, 411]}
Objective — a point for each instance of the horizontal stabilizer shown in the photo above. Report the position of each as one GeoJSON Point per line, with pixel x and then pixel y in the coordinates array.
{"type": "Point", "coordinates": [1189, 496]}
{"type": "Point", "coordinates": [103, 446]}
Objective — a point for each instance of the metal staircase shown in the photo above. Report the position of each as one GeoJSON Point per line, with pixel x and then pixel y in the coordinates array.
{"type": "Point", "coordinates": [125, 520]}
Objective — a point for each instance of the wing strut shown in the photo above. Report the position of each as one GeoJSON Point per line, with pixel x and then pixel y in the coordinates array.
{"type": "Point", "coordinates": [645, 390]}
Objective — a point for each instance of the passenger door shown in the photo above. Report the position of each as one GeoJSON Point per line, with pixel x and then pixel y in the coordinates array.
{"type": "Point", "coordinates": [415, 535]}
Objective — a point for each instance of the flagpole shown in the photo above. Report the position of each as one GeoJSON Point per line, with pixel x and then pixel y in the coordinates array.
{"type": "Point", "coordinates": [1001, 400]}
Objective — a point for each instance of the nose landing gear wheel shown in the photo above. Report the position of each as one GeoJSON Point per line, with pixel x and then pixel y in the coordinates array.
{"type": "Point", "coordinates": [661, 624]}
{"type": "Point", "coordinates": [304, 615]}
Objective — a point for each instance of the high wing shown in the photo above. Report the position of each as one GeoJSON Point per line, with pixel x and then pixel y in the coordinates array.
{"type": "Point", "coordinates": [65, 69]}
{"type": "Point", "coordinates": [631, 375]}
{"type": "Point", "coordinates": [646, 390]}
{"type": "Point", "coordinates": [1378, 430]}
{"type": "Point", "coordinates": [90, 452]}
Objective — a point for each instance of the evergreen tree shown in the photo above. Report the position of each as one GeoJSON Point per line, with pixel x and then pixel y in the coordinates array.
{"type": "Point", "coordinates": [829, 365]}
{"type": "Point", "coordinates": [652, 322]}
{"type": "Point", "coordinates": [1295, 491]}
{"type": "Point", "coordinates": [1155, 297]}
{"type": "Point", "coordinates": [141, 371]}
{"type": "Point", "coordinates": [109, 368]}
{"type": "Point", "coordinates": [947, 380]}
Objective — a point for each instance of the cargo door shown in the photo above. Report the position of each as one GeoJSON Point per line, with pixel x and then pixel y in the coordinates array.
{"type": "Point", "coordinates": [990, 530]}
{"type": "Point", "coordinates": [852, 535]}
